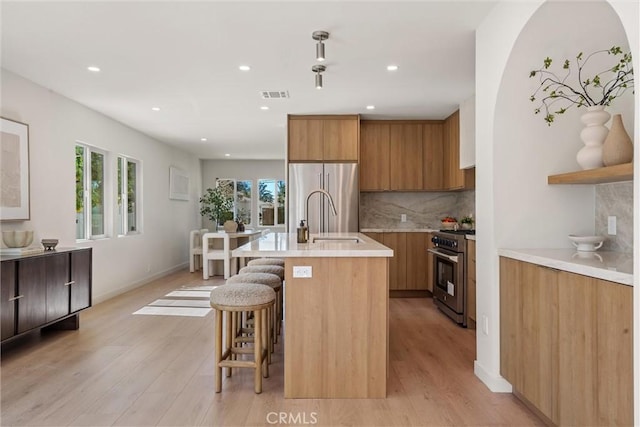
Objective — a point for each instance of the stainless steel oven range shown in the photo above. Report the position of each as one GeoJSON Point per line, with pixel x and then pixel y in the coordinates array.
{"type": "Point", "coordinates": [449, 287]}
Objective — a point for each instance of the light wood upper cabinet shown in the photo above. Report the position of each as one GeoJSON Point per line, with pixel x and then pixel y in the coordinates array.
{"type": "Point", "coordinates": [566, 343]}
{"type": "Point", "coordinates": [432, 156]}
{"type": "Point", "coordinates": [454, 177]}
{"type": "Point", "coordinates": [340, 139]}
{"type": "Point", "coordinates": [374, 156]}
{"type": "Point", "coordinates": [323, 138]}
{"type": "Point", "coordinates": [305, 140]}
{"type": "Point", "coordinates": [406, 156]}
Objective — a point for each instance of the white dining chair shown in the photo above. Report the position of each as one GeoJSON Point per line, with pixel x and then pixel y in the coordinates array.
{"type": "Point", "coordinates": [210, 254]}
{"type": "Point", "coordinates": [195, 249]}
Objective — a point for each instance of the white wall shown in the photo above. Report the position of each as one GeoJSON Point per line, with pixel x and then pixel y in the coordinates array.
{"type": "Point", "coordinates": [516, 150]}
{"type": "Point", "coordinates": [55, 124]}
{"type": "Point", "coordinates": [242, 170]}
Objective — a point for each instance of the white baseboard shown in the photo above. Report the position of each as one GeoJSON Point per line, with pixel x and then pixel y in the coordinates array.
{"type": "Point", "coordinates": [97, 299]}
{"type": "Point", "coordinates": [495, 383]}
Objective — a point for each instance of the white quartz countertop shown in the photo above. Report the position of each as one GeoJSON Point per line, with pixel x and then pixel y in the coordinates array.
{"type": "Point", "coordinates": [285, 245]}
{"type": "Point", "coordinates": [613, 266]}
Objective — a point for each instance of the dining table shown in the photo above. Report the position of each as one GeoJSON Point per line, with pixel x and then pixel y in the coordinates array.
{"type": "Point", "coordinates": [215, 240]}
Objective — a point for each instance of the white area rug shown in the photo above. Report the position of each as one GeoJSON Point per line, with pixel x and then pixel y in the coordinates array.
{"type": "Point", "coordinates": [191, 301]}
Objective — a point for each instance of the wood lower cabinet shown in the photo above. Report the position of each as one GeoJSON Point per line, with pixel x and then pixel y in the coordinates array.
{"type": "Point", "coordinates": [323, 138]}
{"type": "Point", "coordinates": [471, 279]}
{"type": "Point", "coordinates": [566, 343]}
{"type": "Point", "coordinates": [44, 289]}
{"type": "Point", "coordinates": [416, 251]}
{"type": "Point", "coordinates": [8, 293]}
{"type": "Point", "coordinates": [408, 270]}
{"type": "Point", "coordinates": [32, 305]}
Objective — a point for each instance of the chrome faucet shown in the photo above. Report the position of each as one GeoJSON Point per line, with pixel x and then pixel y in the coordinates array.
{"type": "Point", "coordinates": [326, 193]}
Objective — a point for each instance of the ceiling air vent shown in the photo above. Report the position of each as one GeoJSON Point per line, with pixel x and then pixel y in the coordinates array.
{"type": "Point", "coordinates": [274, 94]}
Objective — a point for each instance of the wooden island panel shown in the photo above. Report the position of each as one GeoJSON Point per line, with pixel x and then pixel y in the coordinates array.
{"type": "Point", "coordinates": [336, 335]}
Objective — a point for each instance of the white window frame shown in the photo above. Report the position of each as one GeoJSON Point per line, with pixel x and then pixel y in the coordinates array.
{"type": "Point", "coordinates": [121, 209]}
{"type": "Point", "coordinates": [87, 204]}
{"type": "Point", "coordinates": [275, 202]}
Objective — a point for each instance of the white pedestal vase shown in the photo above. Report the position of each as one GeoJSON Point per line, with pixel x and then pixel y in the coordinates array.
{"type": "Point", "coordinates": [593, 136]}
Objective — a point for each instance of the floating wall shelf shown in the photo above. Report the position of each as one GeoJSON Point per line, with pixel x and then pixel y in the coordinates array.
{"type": "Point", "coordinates": [615, 173]}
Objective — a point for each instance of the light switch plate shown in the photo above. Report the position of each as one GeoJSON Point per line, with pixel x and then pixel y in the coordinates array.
{"type": "Point", "coordinates": [403, 217]}
{"type": "Point", "coordinates": [302, 271]}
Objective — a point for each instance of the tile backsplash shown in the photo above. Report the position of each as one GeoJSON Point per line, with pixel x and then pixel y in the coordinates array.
{"type": "Point", "coordinates": [423, 210]}
{"type": "Point", "coordinates": [615, 199]}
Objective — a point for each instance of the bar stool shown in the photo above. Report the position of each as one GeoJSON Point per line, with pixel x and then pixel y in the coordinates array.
{"type": "Point", "coordinates": [267, 261]}
{"type": "Point", "coordinates": [276, 284]}
{"type": "Point", "coordinates": [238, 297]}
{"type": "Point", "coordinates": [272, 269]}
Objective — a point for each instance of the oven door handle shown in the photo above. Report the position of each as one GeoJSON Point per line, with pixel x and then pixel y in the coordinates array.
{"type": "Point", "coordinates": [442, 254]}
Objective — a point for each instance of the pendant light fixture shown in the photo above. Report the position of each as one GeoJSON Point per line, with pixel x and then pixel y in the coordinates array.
{"type": "Point", "coordinates": [320, 36]}
{"type": "Point", "coordinates": [318, 69]}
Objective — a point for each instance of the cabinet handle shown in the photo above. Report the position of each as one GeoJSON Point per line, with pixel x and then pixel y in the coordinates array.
{"type": "Point", "coordinates": [70, 283]}
{"type": "Point", "coordinates": [15, 298]}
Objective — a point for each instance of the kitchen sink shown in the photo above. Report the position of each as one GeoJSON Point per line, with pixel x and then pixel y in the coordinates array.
{"type": "Point", "coordinates": [335, 239]}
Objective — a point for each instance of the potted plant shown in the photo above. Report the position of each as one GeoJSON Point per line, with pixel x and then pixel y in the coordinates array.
{"type": "Point", "coordinates": [466, 223]}
{"type": "Point", "coordinates": [216, 204]}
{"type": "Point", "coordinates": [588, 89]}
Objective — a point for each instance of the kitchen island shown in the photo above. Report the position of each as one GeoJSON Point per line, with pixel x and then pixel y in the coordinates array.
{"type": "Point", "coordinates": [336, 339]}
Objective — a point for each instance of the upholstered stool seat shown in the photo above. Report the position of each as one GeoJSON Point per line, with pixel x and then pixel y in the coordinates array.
{"type": "Point", "coordinates": [273, 269]}
{"type": "Point", "coordinates": [239, 297]}
{"type": "Point", "coordinates": [267, 261]}
{"type": "Point", "coordinates": [279, 271]}
{"type": "Point", "coordinates": [270, 280]}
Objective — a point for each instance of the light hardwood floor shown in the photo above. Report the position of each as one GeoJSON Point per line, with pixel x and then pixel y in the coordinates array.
{"type": "Point", "coordinates": [126, 370]}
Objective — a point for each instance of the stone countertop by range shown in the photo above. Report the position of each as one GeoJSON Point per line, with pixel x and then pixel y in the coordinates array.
{"type": "Point", "coordinates": [470, 237]}
{"type": "Point", "coordinates": [285, 245]}
{"type": "Point", "coordinates": [613, 266]}
{"type": "Point", "coordinates": [398, 230]}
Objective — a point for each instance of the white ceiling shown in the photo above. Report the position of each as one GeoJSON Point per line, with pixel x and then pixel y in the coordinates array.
{"type": "Point", "coordinates": [183, 57]}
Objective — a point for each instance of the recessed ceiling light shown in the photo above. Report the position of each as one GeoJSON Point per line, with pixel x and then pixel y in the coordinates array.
{"type": "Point", "coordinates": [203, 139]}
{"type": "Point", "coordinates": [227, 155]}
{"type": "Point", "coordinates": [244, 68]}
{"type": "Point", "coordinates": [264, 107]}
{"type": "Point", "coordinates": [155, 108]}
{"type": "Point", "coordinates": [392, 67]}
{"type": "Point", "coordinates": [94, 69]}
{"type": "Point", "coordinates": [371, 107]}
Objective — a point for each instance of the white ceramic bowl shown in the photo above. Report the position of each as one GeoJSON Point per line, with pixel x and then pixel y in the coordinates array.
{"type": "Point", "coordinates": [17, 238]}
{"type": "Point", "coordinates": [587, 243]}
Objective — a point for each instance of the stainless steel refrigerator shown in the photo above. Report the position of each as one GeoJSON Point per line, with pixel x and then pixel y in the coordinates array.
{"type": "Point", "coordinates": [340, 180]}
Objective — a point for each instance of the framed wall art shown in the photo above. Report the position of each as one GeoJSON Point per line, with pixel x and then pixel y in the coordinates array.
{"type": "Point", "coordinates": [14, 170]}
{"type": "Point", "coordinates": [178, 184]}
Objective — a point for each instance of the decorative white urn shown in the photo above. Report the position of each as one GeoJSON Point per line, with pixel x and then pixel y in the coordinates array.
{"type": "Point", "coordinates": [593, 136]}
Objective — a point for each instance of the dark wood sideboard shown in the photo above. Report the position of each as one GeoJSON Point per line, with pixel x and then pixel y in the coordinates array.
{"type": "Point", "coordinates": [46, 289]}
